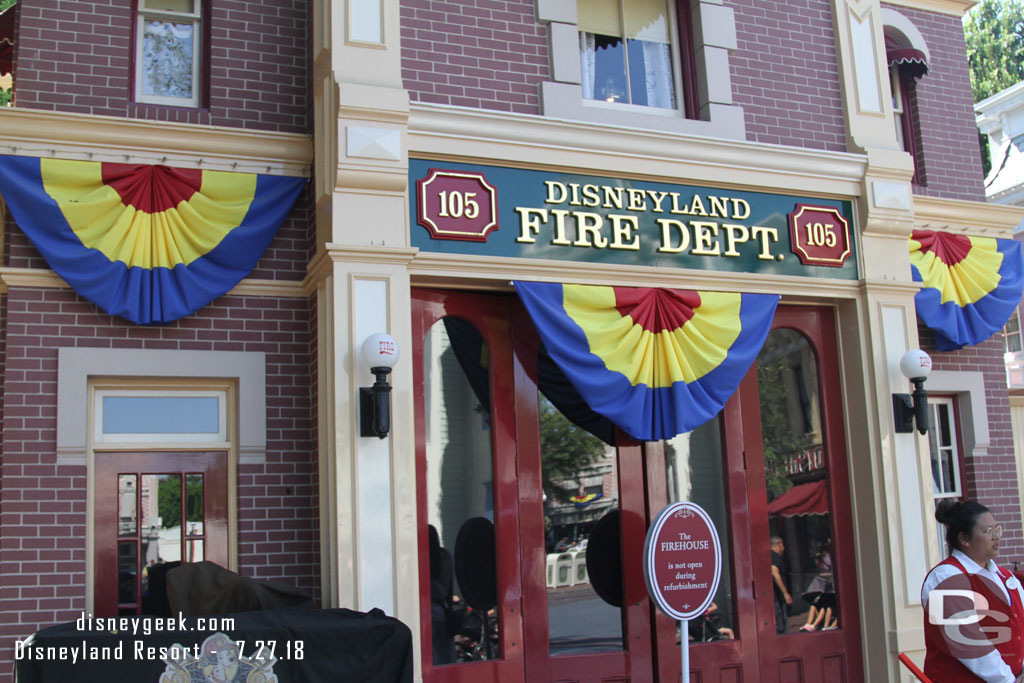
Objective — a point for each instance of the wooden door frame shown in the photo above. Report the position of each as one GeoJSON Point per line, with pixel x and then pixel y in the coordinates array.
{"type": "Point", "coordinates": [818, 326]}
{"type": "Point", "coordinates": [492, 322]}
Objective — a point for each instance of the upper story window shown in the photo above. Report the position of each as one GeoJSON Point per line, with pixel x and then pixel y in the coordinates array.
{"type": "Point", "coordinates": [168, 52]}
{"type": "Point", "coordinates": [907, 56]}
{"type": "Point", "coordinates": [626, 54]}
{"type": "Point", "coordinates": [643, 64]}
{"type": "Point", "coordinates": [1011, 334]}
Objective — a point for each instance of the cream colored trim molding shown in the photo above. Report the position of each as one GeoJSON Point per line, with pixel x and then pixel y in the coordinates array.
{"type": "Point", "coordinates": [35, 133]}
{"type": "Point", "coordinates": [966, 217]}
{"type": "Point", "coordinates": [445, 269]}
{"type": "Point", "coordinates": [461, 134]}
{"type": "Point", "coordinates": [955, 7]}
{"type": "Point", "coordinates": [75, 366]}
{"type": "Point", "coordinates": [322, 264]}
{"type": "Point", "coordinates": [38, 277]}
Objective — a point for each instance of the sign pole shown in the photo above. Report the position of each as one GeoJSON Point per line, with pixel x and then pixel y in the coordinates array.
{"type": "Point", "coordinates": [684, 645]}
{"type": "Point", "coordinates": [682, 567]}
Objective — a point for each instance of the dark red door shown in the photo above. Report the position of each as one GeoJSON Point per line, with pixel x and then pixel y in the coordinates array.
{"type": "Point", "coordinates": [490, 446]}
{"type": "Point", "coordinates": [155, 508]}
{"type": "Point", "coordinates": [799, 486]}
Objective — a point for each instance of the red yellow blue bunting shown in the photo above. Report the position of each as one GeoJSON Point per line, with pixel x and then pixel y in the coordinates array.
{"type": "Point", "coordinates": [584, 500]}
{"type": "Point", "coordinates": [971, 285]}
{"type": "Point", "coordinates": [656, 362]}
{"type": "Point", "coordinates": [149, 243]}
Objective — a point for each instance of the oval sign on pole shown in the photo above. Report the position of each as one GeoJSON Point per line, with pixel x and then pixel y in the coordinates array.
{"type": "Point", "coordinates": [682, 560]}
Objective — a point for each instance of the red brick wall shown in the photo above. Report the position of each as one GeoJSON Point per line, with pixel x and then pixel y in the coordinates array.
{"type": "Point", "coordinates": [75, 56]}
{"type": "Point", "coordinates": [949, 136]}
{"type": "Point", "coordinates": [991, 479]}
{"type": "Point", "coordinates": [42, 505]}
{"type": "Point", "coordinates": [785, 73]}
{"type": "Point", "coordinates": [484, 54]}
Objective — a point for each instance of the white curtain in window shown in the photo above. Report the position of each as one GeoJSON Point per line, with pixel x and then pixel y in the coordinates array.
{"type": "Point", "coordinates": [588, 63]}
{"type": "Point", "coordinates": [658, 75]}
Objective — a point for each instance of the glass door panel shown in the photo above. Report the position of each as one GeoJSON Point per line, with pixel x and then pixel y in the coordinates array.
{"type": "Point", "coordinates": [581, 496]}
{"type": "Point", "coordinates": [470, 582]}
{"type": "Point", "coordinates": [142, 502]}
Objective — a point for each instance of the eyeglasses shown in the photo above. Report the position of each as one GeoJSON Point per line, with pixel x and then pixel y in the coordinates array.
{"type": "Point", "coordinates": [993, 532]}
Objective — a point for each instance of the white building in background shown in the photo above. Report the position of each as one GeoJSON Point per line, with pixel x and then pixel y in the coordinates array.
{"type": "Point", "coordinates": [1001, 117]}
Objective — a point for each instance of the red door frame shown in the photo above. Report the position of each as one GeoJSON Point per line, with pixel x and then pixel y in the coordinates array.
{"type": "Point", "coordinates": [632, 662]}
{"type": "Point", "coordinates": [213, 465]}
{"type": "Point", "coordinates": [827, 656]}
{"type": "Point", "coordinates": [490, 315]}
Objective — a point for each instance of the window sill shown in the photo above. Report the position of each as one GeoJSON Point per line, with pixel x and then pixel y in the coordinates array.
{"type": "Point", "coordinates": [565, 101]}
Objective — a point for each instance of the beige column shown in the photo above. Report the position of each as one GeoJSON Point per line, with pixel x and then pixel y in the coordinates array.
{"type": "Point", "coordinates": [360, 277]}
{"type": "Point", "coordinates": [888, 470]}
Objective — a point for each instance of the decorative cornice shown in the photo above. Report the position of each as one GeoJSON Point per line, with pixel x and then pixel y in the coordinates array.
{"type": "Point", "coordinates": [462, 134]}
{"type": "Point", "coordinates": [975, 218]}
{"type": "Point", "coordinates": [31, 132]}
{"type": "Point", "coordinates": [957, 8]}
{"type": "Point", "coordinates": [495, 273]}
{"type": "Point", "coordinates": [322, 264]}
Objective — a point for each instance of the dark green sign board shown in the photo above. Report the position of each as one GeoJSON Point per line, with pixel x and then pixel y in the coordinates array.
{"type": "Point", "coordinates": [491, 211]}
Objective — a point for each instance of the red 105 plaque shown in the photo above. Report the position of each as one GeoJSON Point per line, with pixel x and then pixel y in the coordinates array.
{"type": "Point", "coordinates": [455, 205]}
{"type": "Point", "coordinates": [819, 235]}
{"type": "Point", "coordinates": [682, 561]}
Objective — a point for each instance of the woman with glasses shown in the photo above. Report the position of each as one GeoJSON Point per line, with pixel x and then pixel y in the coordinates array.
{"type": "Point", "coordinates": [973, 608]}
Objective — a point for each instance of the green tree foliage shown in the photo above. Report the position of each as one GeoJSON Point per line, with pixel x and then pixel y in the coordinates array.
{"type": "Point", "coordinates": [169, 500]}
{"type": "Point", "coordinates": [994, 32]}
{"type": "Point", "coordinates": [779, 438]}
{"type": "Point", "coordinates": [566, 450]}
{"type": "Point", "coordinates": [4, 4]}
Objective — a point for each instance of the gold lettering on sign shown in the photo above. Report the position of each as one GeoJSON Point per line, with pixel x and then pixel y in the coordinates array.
{"type": "Point", "coordinates": [623, 228]}
{"type": "Point", "coordinates": [589, 224]}
{"type": "Point", "coordinates": [763, 234]}
{"type": "Point", "coordinates": [669, 228]}
{"type": "Point", "coordinates": [529, 223]}
{"type": "Point", "coordinates": [703, 234]}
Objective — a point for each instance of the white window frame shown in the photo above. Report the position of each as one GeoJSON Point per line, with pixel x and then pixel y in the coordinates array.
{"type": "Point", "coordinates": [101, 437]}
{"type": "Point", "coordinates": [898, 110]}
{"type": "Point", "coordinates": [195, 18]}
{"type": "Point", "coordinates": [934, 405]}
{"type": "Point", "coordinates": [1007, 333]}
{"type": "Point", "coordinates": [677, 66]}
{"type": "Point", "coordinates": [714, 37]}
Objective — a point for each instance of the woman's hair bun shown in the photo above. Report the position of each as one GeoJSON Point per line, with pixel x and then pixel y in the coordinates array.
{"type": "Point", "coordinates": [944, 510]}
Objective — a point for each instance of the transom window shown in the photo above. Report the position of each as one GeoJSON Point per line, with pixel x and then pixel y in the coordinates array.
{"type": "Point", "coordinates": [167, 52]}
{"type": "Point", "coordinates": [626, 54]}
{"type": "Point", "coordinates": [139, 416]}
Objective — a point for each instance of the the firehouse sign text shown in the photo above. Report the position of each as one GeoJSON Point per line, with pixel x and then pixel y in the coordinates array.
{"type": "Point", "coordinates": [682, 561]}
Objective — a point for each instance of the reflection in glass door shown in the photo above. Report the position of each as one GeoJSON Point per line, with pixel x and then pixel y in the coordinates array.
{"type": "Point", "coordinates": [154, 511]}
{"type": "Point", "coordinates": [808, 624]}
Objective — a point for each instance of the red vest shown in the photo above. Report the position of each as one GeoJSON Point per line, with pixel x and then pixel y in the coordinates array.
{"type": "Point", "coordinates": [942, 667]}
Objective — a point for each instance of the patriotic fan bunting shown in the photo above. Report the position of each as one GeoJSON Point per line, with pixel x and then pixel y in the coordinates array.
{"type": "Point", "coordinates": [149, 243]}
{"type": "Point", "coordinates": [656, 362]}
{"type": "Point", "coordinates": [971, 285]}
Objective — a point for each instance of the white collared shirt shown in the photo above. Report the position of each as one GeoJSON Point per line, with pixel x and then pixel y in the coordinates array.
{"type": "Point", "coordinates": [990, 668]}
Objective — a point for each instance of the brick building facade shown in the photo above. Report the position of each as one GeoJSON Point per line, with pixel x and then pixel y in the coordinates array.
{"type": "Point", "coordinates": [769, 106]}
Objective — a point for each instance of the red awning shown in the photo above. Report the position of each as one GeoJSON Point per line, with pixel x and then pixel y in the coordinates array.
{"type": "Point", "coordinates": [910, 61]}
{"type": "Point", "coordinates": [803, 499]}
